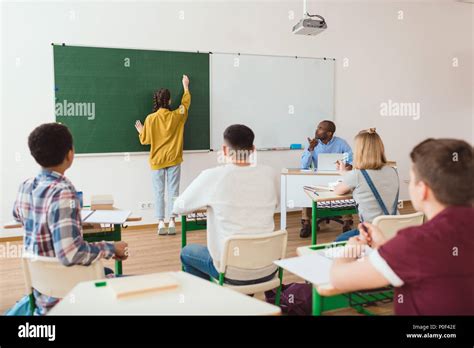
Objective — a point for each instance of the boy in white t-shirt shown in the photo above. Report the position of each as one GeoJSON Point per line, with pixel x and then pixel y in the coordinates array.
{"type": "Point", "coordinates": [241, 198]}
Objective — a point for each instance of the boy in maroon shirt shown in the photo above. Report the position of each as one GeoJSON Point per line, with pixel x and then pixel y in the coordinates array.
{"type": "Point", "coordinates": [431, 266]}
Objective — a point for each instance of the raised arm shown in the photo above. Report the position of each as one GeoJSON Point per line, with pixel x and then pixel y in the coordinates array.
{"type": "Point", "coordinates": [307, 156]}
{"type": "Point", "coordinates": [186, 99]}
{"type": "Point", "coordinates": [347, 149]}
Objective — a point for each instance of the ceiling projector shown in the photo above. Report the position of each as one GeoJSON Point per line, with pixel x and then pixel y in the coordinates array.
{"type": "Point", "coordinates": [310, 25]}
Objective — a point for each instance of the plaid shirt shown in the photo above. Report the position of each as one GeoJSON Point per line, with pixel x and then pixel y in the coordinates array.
{"type": "Point", "coordinates": [49, 209]}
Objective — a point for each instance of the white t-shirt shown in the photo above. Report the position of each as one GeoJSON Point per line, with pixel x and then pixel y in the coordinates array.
{"type": "Point", "coordinates": [239, 200]}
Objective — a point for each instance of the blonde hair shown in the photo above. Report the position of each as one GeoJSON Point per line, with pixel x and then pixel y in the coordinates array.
{"type": "Point", "coordinates": [369, 152]}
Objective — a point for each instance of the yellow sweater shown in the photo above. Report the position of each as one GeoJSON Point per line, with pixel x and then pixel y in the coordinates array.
{"type": "Point", "coordinates": [164, 130]}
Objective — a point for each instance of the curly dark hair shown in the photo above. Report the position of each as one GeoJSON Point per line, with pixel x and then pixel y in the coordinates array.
{"type": "Point", "coordinates": [161, 99]}
{"type": "Point", "coordinates": [50, 143]}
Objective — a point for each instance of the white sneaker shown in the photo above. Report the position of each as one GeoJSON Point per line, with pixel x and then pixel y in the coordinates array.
{"type": "Point", "coordinates": [171, 228]}
{"type": "Point", "coordinates": [161, 228]}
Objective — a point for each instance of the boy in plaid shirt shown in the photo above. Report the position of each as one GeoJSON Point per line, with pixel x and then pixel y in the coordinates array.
{"type": "Point", "coordinates": [49, 209]}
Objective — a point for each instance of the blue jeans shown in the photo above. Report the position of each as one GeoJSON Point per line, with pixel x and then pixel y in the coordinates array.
{"type": "Point", "coordinates": [346, 235]}
{"type": "Point", "coordinates": [197, 261]}
{"type": "Point", "coordinates": [172, 176]}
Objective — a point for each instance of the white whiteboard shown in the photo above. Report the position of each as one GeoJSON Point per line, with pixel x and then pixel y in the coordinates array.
{"type": "Point", "coordinates": [281, 98]}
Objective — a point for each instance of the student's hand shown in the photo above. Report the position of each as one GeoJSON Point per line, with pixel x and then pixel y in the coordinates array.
{"type": "Point", "coordinates": [341, 166]}
{"type": "Point", "coordinates": [374, 235]}
{"type": "Point", "coordinates": [185, 82]}
{"type": "Point", "coordinates": [121, 251]}
{"type": "Point", "coordinates": [355, 246]}
{"type": "Point", "coordinates": [312, 143]}
{"type": "Point", "coordinates": [139, 126]}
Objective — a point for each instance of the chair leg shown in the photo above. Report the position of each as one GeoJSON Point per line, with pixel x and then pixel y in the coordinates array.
{"type": "Point", "coordinates": [32, 303]}
{"type": "Point", "coordinates": [278, 293]}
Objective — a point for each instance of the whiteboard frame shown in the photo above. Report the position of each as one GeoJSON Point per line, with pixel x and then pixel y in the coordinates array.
{"type": "Point", "coordinates": [333, 103]}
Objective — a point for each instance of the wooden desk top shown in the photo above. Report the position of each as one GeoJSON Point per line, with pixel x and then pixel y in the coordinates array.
{"type": "Point", "coordinates": [18, 235]}
{"type": "Point", "coordinates": [14, 224]}
{"type": "Point", "coordinates": [298, 171]}
{"type": "Point", "coordinates": [326, 196]}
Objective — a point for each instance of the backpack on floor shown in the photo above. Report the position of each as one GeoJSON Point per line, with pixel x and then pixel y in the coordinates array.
{"type": "Point", "coordinates": [21, 308]}
{"type": "Point", "coordinates": [296, 298]}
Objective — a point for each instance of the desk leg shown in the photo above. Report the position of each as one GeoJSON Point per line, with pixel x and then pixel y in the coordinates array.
{"type": "Point", "coordinates": [183, 234]}
{"type": "Point", "coordinates": [118, 263]}
{"type": "Point", "coordinates": [317, 303]}
{"type": "Point", "coordinates": [183, 231]}
{"type": "Point", "coordinates": [314, 224]}
{"type": "Point", "coordinates": [283, 202]}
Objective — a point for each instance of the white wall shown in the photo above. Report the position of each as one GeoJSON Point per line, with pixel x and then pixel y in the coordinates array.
{"type": "Point", "coordinates": [407, 60]}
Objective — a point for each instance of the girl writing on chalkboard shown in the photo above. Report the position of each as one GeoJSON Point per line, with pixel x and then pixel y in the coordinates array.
{"type": "Point", "coordinates": [163, 130]}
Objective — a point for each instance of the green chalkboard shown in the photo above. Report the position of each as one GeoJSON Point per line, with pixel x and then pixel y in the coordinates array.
{"type": "Point", "coordinates": [100, 92]}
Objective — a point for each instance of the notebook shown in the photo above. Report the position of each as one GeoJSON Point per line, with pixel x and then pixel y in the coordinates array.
{"type": "Point", "coordinates": [314, 267]}
{"type": "Point", "coordinates": [311, 267]}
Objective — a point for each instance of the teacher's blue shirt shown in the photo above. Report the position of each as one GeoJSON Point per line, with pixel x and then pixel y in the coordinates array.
{"type": "Point", "coordinates": [335, 145]}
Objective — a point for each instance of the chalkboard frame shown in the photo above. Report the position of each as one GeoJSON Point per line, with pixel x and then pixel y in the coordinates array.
{"type": "Point", "coordinates": [175, 100]}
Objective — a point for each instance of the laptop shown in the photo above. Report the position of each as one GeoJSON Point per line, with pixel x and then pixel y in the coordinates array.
{"type": "Point", "coordinates": [327, 162]}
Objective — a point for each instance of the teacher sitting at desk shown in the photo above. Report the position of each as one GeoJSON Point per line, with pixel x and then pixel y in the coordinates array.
{"type": "Point", "coordinates": [164, 130]}
{"type": "Point", "coordinates": [324, 141]}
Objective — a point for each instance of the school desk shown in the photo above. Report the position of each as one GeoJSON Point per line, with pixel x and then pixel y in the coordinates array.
{"type": "Point", "coordinates": [194, 296]}
{"type": "Point", "coordinates": [292, 181]}
{"type": "Point", "coordinates": [91, 233]}
{"type": "Point", "coordinates": [192, 222]}
{"type": "Point", "coordinates": [328, 204]}
{"type": "Point", "coordinates": [334, 298]}
{"type": "Point", "coordinates": [291, 187]}
{"type": "Point", "coordinates": [94, 230]}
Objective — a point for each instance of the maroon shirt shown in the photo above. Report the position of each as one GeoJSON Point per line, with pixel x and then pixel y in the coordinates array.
{"type": "Point", "coordinates": [435, 261]}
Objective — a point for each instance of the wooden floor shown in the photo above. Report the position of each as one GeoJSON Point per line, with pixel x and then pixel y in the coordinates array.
{"type": "Point", "coordinates": [151, 253]}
